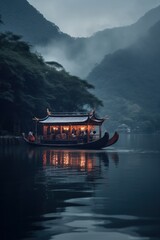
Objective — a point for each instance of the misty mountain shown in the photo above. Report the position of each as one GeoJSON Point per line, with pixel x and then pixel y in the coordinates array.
{"type": "Point", "coordinates": [110, 40]}
{"type": "Point", "coordinates": [128, 81]}
{"type": "Point", "coordinates": [83, 54]}
{"type": "Point", "coordinates": [78, 55]}
{"type": "Point", "coordinates": [20, 17]}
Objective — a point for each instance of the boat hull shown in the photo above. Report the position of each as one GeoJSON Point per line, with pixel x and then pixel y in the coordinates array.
{"type": "Point", "coordinates": [101, 143]}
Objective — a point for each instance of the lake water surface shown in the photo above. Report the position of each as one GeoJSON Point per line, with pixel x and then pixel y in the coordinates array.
{"type": "Point", "coordinates": [49, 194]}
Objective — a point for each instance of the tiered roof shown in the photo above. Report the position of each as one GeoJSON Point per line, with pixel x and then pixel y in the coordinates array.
{"type": "Point", "coordinates": [71, 119]}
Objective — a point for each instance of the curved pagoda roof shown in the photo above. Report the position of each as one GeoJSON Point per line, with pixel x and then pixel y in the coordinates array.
{"type": "Point", "coordinates": [71, 119]}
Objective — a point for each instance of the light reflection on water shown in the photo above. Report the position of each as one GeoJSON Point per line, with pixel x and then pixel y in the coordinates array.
{"type": "Point", "coordinates": [58, 194]}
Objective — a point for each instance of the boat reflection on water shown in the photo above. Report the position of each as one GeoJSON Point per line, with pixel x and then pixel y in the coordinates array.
{"type": "Point", "coordinates": [80, 160]}
{"type": "Point", "coordinates": [67, 159]}
{"type": "Point", "coordinates": [73, 164]}
{"type": "Point", "coordinates": [67, 181]}
{"type": "Point", "coordinates": [43, 181]}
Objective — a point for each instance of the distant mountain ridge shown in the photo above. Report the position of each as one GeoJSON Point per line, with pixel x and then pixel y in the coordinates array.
{"type": "Point", "coordinates": [20, 17]}
{"type": "Point", "coordinates": [78, 55]}
{"type": "Point", "coordinates": [110, 40]}
{"type": "Point", "coordinates": [128, 81]}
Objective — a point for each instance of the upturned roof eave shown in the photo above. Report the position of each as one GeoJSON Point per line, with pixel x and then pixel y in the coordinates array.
{"type": "Point", "coordinates": [69, 120]}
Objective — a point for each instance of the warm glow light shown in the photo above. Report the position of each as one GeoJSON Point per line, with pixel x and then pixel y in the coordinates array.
{"type": "Point", "coordinates": [89, 165]}
{"type": "Point", "coordinates": [66, 159]}
{"type": "Point", "coordinates": [55, 128]}
{"type": "Point", "coordinates": [82, 162]}
{"type": "Point", "coordinates": [66, 128]}
{"type": "Point", "coordinates": [54, 159]}
{"type": "Point", "coordinates": [44, 158]}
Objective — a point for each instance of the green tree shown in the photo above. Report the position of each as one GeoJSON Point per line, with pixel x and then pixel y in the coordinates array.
{"type": "Point", "coordinates": [28, 86]}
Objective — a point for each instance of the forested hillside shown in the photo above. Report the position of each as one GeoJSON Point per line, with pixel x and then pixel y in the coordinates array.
{"type": "Point", "coordinates": [28, 86]}
{"type": "Point", "coordinates": [129, 81]}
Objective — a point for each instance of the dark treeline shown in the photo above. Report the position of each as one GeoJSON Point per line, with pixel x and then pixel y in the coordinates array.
{"type": "Point", "coordinates": [28, 86]}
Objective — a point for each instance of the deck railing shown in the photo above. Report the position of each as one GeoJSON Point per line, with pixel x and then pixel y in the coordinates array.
{"type": "Point", "coordinates": [61, 137]}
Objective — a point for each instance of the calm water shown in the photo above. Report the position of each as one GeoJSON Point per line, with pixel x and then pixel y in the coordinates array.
{"type": "Point", "coordinates": [110, 194]}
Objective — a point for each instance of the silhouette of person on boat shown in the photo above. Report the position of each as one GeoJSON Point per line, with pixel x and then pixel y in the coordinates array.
{"type": "Point", "coordinates": [31, 137]}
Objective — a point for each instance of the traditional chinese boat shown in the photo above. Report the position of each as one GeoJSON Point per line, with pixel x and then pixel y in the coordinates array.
{"type": "Point", "coordinates": [70, 130]}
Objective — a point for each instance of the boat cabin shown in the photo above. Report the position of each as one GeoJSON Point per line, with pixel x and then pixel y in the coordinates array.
{"type": "Point", "coordinates": [69, 127]}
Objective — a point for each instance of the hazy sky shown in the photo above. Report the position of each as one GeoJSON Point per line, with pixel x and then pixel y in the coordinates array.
{"type": "Point", "coordinates": [84, 17]}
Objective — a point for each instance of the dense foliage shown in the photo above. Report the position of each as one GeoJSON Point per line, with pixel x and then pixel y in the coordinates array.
{"type": "Point", "coordinates": [28, 86]}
